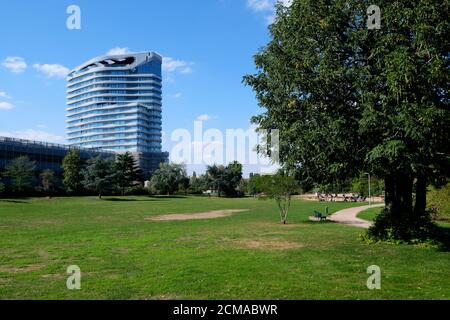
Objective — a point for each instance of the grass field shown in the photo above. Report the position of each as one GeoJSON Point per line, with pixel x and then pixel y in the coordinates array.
{"type": "Point", "coordinates": [369, 214]}
{"type": "Point", "coordinates": [249, 255]}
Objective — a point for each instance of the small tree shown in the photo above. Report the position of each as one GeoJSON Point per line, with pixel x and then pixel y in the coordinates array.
{"type": "Point", "coordinates": [280, 187]}
{"type": "Point", "coordinates": [72, 166]}
{"type": "Point", "coordinates": [21, 171]}
{"type": "Point", "coordinates": [48, 179]}
{"type": "Point", "coordinates": [99, 175]}
{"type": "Point", "coordinates": [127, 171]}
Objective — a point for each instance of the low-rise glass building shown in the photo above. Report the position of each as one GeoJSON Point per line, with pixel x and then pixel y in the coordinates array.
{"type": "Point", "coordinates": [46, 155]}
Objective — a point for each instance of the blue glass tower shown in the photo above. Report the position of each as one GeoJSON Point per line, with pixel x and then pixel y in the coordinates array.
{"type": "Point", "coordinates": [114, 104]}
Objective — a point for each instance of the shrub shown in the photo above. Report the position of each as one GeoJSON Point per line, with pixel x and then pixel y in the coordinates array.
{"type": "Point", "coordinates": [138, 190]}
{"type": "Point", "coordinates": [438, 202]}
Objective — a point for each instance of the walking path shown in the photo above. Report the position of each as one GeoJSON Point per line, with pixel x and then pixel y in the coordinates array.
{"type": "Point", "coordinates": [348, 216]}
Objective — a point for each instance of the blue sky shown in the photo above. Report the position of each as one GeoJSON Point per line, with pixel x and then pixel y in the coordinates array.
{"type": "Point", "coordinates": [207, 44]}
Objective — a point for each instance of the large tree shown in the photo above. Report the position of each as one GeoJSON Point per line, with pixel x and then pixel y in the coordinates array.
{"type": "Point", "coordinates": [348, 99]}
{"type": "Point", "coordinates": [72, 166]}
{"type": "Point", "coordinates": [48, 180]}
{"type": "Point", "coordinates": [224, 179]}
{"type": "Point", "coordinates": [99, 175]}
{"type": "Point", "coordinates": [169, 176]}
{"type": "Point", "coordinates": [127, 171]}
{"type": "Point", "coordinates": [21, 171]}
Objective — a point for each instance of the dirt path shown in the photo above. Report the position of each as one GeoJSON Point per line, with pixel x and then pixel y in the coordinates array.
{"type": "Point", "coordinates": [348, 216]}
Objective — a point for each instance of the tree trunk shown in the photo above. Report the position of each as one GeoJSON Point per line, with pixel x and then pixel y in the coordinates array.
{"type": "Point", "coordinates": [399, 187]}
{"type": "Point", "coordinates": [99, 195]}
{"type": "Point", "coordinates": [421, 195]}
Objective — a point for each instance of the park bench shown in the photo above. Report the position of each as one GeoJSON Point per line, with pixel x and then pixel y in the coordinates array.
{"type": "Point", "coordinates": [319, 216]}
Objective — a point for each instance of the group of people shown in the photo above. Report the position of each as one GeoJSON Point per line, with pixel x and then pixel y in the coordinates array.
{"type": "Point", "coordinates": [351, 197]}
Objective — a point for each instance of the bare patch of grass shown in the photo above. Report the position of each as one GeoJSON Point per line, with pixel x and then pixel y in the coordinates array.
{"type": "Point", "coordinates": [196, 216]}
{"type": "Point", "coordinates": [265, 244]}
{"type": "Point", "coordinates": [29, 268]}
{"type": "Point", "coordinates": [122, 250]}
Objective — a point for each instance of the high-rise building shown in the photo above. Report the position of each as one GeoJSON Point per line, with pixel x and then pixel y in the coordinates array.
{"type": "Point", "coordinates": [114, 104]}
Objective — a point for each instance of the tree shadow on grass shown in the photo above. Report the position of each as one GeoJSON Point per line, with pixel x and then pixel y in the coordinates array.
{"type": "Point", "coordinates": [168, 197]}
{"type": "Point", "coordinates": [127, 200]}
{"type": "Point", "coordinates": [14, 201]}
{"type": "Point", "coordinates": [313, 221]}
{"type": "Point", "coordinates": [443, 238]}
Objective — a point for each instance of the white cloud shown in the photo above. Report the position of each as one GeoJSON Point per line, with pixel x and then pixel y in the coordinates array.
{"type": "Point", "coordinates": [3, 94]}
{"type": "Point", "coordinates": [117, 51]}
{"type": "Point", "coordinates": [15, 64]}
{"type": "Point", "coordinates": [31, 134]}
{"type": "Point", "coordinates": [270, 19]}
{"type": "Point", "coordinates": [286, 3]}
{"type": "Point", "coordinates": [177, 95]}
{"type": "Point", "coordinates": [260, 5]}
{"type": "Point", "coordinates": [6, 106]}
{"type": "Point", "coordinates": [205, 117]}
{"type": "Point", "coordinates": [267, 7]}
{"type": "Point", "coordinates": [52, 70]}
{"type": "Point", "coordinates": [173, 65]}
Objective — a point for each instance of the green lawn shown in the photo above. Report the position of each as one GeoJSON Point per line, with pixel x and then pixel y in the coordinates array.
{"type": "Point", "coordinates": [248, 255]}
{"type": "Point", "coordinates": [369, 214]}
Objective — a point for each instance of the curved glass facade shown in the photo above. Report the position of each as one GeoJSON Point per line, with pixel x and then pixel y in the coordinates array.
{"type": "Point", "coordinates": [114, 103]}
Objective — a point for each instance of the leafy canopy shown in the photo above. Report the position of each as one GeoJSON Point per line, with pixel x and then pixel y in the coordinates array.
{"type": "Point", "coordinates": [21, 171]}
{"type": "Point", "coordinates": [72, 166]}
{"type": "Point", "coordinates": [169, 176]}
{"type": "Point", "coordinates": [99, 175]}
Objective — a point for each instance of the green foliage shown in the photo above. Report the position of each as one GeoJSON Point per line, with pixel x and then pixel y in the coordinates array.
{"type": "Point", "coordinates": [223, 179]}
{"type": "Point", "coordinates": [167, 179]}
{"type": "Point", "coordinates": [414, 230]}
{"type": "Point", "coordinates": [439, 202]}
{"type": "Point", "coordinates": [137, 190]}
{"type": "Point", "coordinates": [21, 172]}
{"type": "Point", "coordinates": [196, 184]}
{"type": "Point", "coordinates": [127, 171]}
{"type": "Point", "coordinates": [346, 99]}
{"type": "Point", "coordinates": [72, 175]}
{"type": "Point", "coordinates": [48, 180]}
{"type": "Point", "coordinates": [252, 184]}
{"type": "Point", "coordinates": [99, 175]}
{"type": "Point", "coordinates": [185, 184]}
{"type": "Point", "coordinates": [360, 185]}
{"type": "Point", "coordinates": [257, 183]}
{"type": "Point", "coordinates": [2, 187]}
